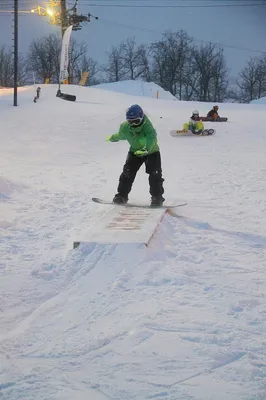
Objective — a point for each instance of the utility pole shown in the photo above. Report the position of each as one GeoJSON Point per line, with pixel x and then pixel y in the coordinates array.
{"type": "Point", "coordinates": [63, 25]}
{"type": "Point", "coordinates": [15, 52]}
{"type": "Point", "coordinates": [63, 17]}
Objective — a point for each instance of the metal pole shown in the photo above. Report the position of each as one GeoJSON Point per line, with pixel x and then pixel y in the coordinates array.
{"type": "Point", "coordinates": [63, 17]}
{"type": "Point", "coordinates": [16, 52]}
{"type": "Point", "coordinates": [63, 26]}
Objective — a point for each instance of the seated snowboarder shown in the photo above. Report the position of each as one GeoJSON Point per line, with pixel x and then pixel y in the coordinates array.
{"type": "Point", "coordinates": [142, 137]}
{"type": "Point", "coordinates": [195, 124]}
{"type": "Point", "coordinates": [213, 113]}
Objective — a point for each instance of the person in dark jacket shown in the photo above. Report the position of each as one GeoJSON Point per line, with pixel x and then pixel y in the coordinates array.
{"type": "Point", "coordinates": [144, 149]}
{"type": "Point", "coordinates": [213, 113]}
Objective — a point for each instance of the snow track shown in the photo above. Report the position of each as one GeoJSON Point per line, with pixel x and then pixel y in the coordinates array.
{"type": "Point", "coordinates": [181, 319]}
{"type": "Point", "coordinates": [185, 311]}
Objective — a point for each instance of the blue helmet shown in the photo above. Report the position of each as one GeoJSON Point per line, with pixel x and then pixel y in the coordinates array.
{"type": "Point", "coordinates": [134, 115]}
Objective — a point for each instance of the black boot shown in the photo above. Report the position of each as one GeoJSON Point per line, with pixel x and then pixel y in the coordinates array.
{"type": "Point", "coordinates": [157, 201]}
{"type": "Point", "coordinates": [119, 199]}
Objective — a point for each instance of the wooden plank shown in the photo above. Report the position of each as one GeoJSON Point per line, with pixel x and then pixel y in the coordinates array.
{"type": "Point", "coordinates": [124, 225]}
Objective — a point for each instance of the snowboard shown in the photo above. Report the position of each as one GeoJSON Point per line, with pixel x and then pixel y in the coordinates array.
{"type": "Point", "coordinates": [210, 119]}
{"type": "Point", "coordinates": [183, 132]}
{"type": "Point", "coordinates": [65, 96]}
{"type": "Point", "coordinates": [102, 201]}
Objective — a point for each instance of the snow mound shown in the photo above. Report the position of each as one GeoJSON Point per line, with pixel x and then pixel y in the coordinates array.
{"type": "Point", "coordinates": [7, 187]}
{"type": "Point", "coordinates": [137, 88]}
{"type": "Point", "coordinates": [262, 100]}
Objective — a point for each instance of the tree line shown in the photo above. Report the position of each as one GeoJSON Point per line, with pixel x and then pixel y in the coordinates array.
{"type": "Point", "coordinates": [175, 62]}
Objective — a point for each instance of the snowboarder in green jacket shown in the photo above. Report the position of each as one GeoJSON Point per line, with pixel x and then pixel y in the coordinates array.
{"type": "Point", "coordinates": [142, 137]}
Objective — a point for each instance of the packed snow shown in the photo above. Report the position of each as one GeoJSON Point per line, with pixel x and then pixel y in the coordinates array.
{"type": "Point", "coordinates": [181, 319]}
{"type": "Point", "coordinates": [262, 100]}
{"type": "Point", "coordinates": [137, 88]}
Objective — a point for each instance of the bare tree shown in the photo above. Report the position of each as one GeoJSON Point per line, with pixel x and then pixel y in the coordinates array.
{"type": "Point", "coordinates": [7, 68]}
{"type": "Point", "coordinates": [176, 64]}
{"type": "Point", "coordinates": [220, 81]}
{"type": "Point", "coordinates": [251, 80]}
{"type": "Point", "coordinates": [115, 68]}
{"type": "Point", "coordinates": [144, 54]}
{"type": "Point", "coordinates": [189, 81]}
{"type": "Point", "coordinates": [89, 65]}
{"type": "Point", "coordinates": [170, 57]}
{"type": "Point", "coordinates": [43, 57]}
{"type": "Point", "coordinates": [261, 77]}
{"type": "Point", "coordinates": [135, 59]}
{"type": "Point", "coordinates": [127, 61]}
{"type": "Point", "coordinates": [76, 55]}
{"type": "Point", "coordinates": [247, 81]}
{"type": "Point", "coordinates": [209, 73]}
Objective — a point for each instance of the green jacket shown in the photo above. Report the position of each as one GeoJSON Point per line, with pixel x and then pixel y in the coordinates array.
{"type": "Point", "coordinates": [140, 137]}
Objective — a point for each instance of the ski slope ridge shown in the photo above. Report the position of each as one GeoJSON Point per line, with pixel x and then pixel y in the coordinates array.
{"type": "Point", "coordinates": [137, 88]}
{"type": "Point", "coordinates": [183, 318]}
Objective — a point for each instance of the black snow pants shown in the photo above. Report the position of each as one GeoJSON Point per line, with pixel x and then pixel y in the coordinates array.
{"type": "Point", "coordinates": [153, 169]}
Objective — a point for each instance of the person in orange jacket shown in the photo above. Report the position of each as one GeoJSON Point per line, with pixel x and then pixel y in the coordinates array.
{"type": "Point", "coordinates": [213, 113]}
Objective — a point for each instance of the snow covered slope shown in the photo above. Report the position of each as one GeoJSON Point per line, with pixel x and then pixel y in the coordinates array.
{"type": "Point", "coordinates": [262, 100]}
{"type": "Point", "coordinates": [184, 318]}
{"type": "Point", "coordinates": [137, 88]}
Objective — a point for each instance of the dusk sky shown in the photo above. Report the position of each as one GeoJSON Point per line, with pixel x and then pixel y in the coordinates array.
{"type": "Point", "coordinates": [240, 27]}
